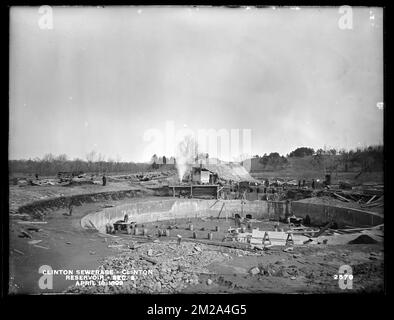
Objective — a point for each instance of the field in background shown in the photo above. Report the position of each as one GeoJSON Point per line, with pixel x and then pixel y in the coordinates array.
{"type": "Point", "coordinates": [372, 177]}
{"type": "Point", "coordinates": [300, 168]}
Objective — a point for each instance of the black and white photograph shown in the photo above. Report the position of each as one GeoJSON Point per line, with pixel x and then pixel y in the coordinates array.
{"type": "Point", "coordinates": [165, 150]}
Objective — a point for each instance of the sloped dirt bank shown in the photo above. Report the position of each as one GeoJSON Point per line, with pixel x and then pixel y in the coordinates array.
{"type": "Point", "coordinates": [39, 209]}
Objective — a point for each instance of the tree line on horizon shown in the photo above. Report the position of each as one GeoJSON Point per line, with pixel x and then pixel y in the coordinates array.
{"type": "Point", "coordinates": [50, 164]}
{"type": "Point", "coordinates": [365, 159]}
{"type": "Point", "coordinates": [368, 159]}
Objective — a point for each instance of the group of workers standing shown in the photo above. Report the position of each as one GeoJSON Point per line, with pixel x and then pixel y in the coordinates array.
{"type": "Point", "coordinates": [303, 183]}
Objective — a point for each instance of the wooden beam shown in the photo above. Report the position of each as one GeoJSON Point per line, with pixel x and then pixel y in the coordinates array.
{"type": "Point", "coordinates": [369, 201]}
{"type": "Point", "coordinates": [148, 259]}
{"type": "Point", "coordinates": [221, 209]}
{"type": "Point", "coordinates": [230, 244]}
{"type": "Point", "coordinates": [328, 225]}
{"type": "Point", "coordinates": [358, 229]}
{"type": "Point", "coordinates": [340, 197]}
{"type": "Point", "coordinates": [302, 232]}
{"type": "Point", "coordinates": [32, 222]}
{"type": "Point", "coordinates": [352, 197]}
{"type": "Point", "coordinates": [214, 203]}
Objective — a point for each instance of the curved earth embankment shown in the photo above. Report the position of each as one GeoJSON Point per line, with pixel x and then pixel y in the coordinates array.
{"type": "Point", "coordinates": [38, 209]}
{"type": "Point", "coordinates": [173, 208]}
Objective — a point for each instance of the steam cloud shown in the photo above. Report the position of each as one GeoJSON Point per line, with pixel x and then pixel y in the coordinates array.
{"type": "Point", "coordinates": [186, 152]}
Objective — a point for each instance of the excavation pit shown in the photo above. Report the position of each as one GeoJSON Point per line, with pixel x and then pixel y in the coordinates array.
{"type": "Point", "coordinates": [169, 209]}
{"type": "Point", "coordinates": [69, 243]}
{"type": "Point", "coordinates": [143, 212]}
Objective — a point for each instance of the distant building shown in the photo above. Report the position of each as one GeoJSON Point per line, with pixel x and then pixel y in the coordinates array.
{"type": "Point", "coordinates": [220, 172]}
{"type": "Point", "coordinates": [201, 175]}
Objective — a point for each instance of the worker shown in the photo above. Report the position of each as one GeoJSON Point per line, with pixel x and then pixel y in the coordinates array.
{"type": "Point", "coordinates": [70, 208]}
{"type": "Point", "coordinates": [109, 228]}
{"type": "Point", "coordinates": [287, 207]}
{"type": "Point", "coordinates": [237, 220]}
{"type": "Point", "coordinates": [313, 183]}
{"type": "Point", "coordinates": [104, 180]}
{"type": "Point", "coordinates": [307, 221]}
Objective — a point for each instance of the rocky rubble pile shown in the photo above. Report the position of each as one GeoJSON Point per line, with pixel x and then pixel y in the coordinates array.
{"type": "Point", "coordinates": [275, 270]}
{"type": "Point", "coordinates": [163, 267]}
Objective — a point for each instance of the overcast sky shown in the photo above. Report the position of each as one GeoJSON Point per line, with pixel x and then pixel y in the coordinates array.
{"type": "Point", "coordinates": [101, 77]}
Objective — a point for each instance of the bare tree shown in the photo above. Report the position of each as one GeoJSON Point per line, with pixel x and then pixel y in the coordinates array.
{"type": "Point", "coordinates": [49, 157]}
{"type": "Point", "coordinates": [62, 157]}
{"type": "Point", "coordinates": [91, 156]}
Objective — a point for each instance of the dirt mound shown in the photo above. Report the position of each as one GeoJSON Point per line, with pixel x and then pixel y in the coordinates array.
{"type": "Point", "coordinates": [363, 239]}
{"type": "Point", "coordinates": [39, 209]}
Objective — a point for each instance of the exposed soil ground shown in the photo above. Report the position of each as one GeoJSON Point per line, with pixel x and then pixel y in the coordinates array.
{"type": "Point", "coordinates": [22, 195]}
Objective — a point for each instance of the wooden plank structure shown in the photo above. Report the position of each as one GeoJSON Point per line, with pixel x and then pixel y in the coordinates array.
{"type": "Point", "coordinates": [196, 191]}
{"type": "Point", "coordinates": [120, 225]}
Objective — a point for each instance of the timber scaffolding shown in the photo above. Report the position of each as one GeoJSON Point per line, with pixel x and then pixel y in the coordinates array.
{"type": "Point", "coordinates": [209, 191]}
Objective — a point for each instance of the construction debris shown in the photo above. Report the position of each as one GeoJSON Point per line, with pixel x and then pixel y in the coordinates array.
{"type": "Point", "coordinates": [34, 241]}
{"type": "Point", "coordinates": [38, 246]}
{"type": "Point", "coordinates": [32, 222]}
{"type": "Point", "coordinates": [170, 272]}
{"type": "Point", "coordinates": [254, 271]}
{"type": "Point", "coordinates": [20, 252]}
{"type": "Point", "coordinates": [25, 234]}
